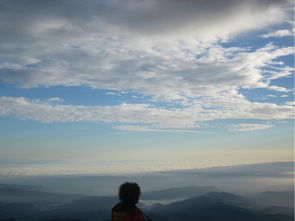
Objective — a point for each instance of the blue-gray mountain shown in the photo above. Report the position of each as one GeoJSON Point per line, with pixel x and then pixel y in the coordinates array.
{"type": "Point", "coordinates": [22, 203]}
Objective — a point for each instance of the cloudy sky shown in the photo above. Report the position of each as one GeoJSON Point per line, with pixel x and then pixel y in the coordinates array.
{"type": "Point", "coordinates": [141, 85]}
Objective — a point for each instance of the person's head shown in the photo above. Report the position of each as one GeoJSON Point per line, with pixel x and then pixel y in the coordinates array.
{"type": "Point", "coordinates": [129, 193]}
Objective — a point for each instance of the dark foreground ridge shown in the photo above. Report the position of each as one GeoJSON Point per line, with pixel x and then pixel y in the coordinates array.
{"type": "Point", "coordinates": [21, 203]}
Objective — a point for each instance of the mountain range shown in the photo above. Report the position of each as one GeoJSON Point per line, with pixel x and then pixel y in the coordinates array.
{"type": "Point", "coordinates": [22, 203]}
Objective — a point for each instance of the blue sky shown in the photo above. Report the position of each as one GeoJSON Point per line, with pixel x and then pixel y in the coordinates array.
{"type": "Point", "coordinates": [134, 86]}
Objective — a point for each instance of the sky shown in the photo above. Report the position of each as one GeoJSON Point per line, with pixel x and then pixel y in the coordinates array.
{"type": "Point", "coordinates": [104, 87]}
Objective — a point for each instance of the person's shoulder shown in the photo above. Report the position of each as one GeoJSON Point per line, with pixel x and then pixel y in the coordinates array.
{"type": "Point", "coordinates": [138, 210]}
{"type": "Point", "coordinates": [119, 207]}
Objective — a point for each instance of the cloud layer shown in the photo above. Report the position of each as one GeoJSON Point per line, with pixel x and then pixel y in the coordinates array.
{"type": "Point", "coordinates": [187, 117]}
{"type": "Point", "coordinates": [169, 50]}
{"type": "Point", "coordinates": [250, 127]}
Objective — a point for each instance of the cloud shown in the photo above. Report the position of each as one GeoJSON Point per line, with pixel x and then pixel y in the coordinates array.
{"type": "Point", "coordinates": [167, 72]}
{"type": "Point", "coordinates": [157, 118]}
{"type": "Point", "coordinates": [279, 33]}
{"type": "Point", "coordinates": [267, 169]}
{"type": "Point", "coordinates": [76, 167]}
{"type": "Point", "coordinates": [113, 93]}
{"type": "Point", "coordinates": [291, 103]}
{"type": "Point", "coordinates": [116, 45]}
{"type": "Point", "coordinates": [203, 18]}
{"type": "Point", "coordinates": [250, 127]}
{"type": "Point", "coordinates": [147, 129]}
{"type": "Point", "coordinates": [271, 95]}
{"type": "Point", "coordinates": [167, 50]}
{"type": "Point", "coordinates": [55, 99]}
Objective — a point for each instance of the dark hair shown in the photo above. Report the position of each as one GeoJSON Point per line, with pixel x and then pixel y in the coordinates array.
{"type": "Point", "coordinates": [129, 193]}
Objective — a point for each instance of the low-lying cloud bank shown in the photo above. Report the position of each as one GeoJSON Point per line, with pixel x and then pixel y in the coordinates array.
{"type": "Point", "coordinates": [250, 178]}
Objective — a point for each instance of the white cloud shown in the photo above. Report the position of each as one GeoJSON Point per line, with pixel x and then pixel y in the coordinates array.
{"type": "Point", "coordinates": [290, 103]}
{"type": "Point", "coordinates": [55, 99]}
{"type": "Point", "coordinates": [168, 50]}
{"type": "Point", "coordinates": [132, 45]}
{"type": "Point", "coordinates": [165, 72]}
{"type": "Point", "coordinates": [250, 127]}
{"type": "Point", "coordinates": [113, 93]}
{"type": "Point", "coordinates": [147, 129]}
{"type": "Point", "coordinates": [158, 118]}
{"type": "Point", "coordinates": [279, 33]}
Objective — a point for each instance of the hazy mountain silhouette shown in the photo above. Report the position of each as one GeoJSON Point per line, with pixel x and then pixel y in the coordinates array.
{"type": "Point", "coordinates": [216, 212]}
{"type": "Point", "coordinates": [214, 206]}
{"type": "Point", "coordinates": [207, 199]}
{"type": "Point", "coordinates": [28, 194]}
{"type": "Point", "coordinates": [279, 210]}
{"type": "Point", "coordinates": [177, 193]}
{"type": "Point", "coordinates": [272, 198]}
{"type": "Point", "coordinates": [36, 205]}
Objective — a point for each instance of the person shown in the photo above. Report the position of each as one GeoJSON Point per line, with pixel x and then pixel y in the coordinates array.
{"type": "Point", "coordinates": [126, 209]}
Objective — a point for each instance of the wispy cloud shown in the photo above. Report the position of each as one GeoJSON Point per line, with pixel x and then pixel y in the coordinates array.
{"type": "Point", "coordinates": [185, 117]}
{"type": "Point", "coordinates": [250, 127]}
{"type": "Point", "coordinates": [147, 129]}
{"type": "Point", "coordinates": [279, 33]}
{"type": "Point", "coordinates": [55, 99]}
{"type": "Point", "coordinates": [167, 50]}
{"type": "Point", "coordinates": [169, 74]}
{"type": "Point", "coordinates": [131, 45]}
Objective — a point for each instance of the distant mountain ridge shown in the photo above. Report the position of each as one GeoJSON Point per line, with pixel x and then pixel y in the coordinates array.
{"type": "Point", "coordinates": [215, 206]}
{"type": "Point", "coordinates": [208, 199]}
{"type": "Point", "coordinates": [217, 212]}
{"type": "Point", "coordinates": [201, 205]}
{"type": "Point", "coordinates": [272, 198]}
{"type": "Point", "coordinates": [28, 194]}
{"type": "Point", "coordinates": [177, 193]}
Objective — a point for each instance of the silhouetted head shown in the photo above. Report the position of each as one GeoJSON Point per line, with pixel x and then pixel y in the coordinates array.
{"type": "Point", "coordinates": [129, 193]}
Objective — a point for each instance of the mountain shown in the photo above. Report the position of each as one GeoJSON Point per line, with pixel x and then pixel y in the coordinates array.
{"type": "Point", "coordinates": [208, 199]}
{"type": "Point", "coordinates": [30, 204]}
{"type": "Point", "coordinates": [90, 208]}
{"type": "Point", "coordinates": [218, 212]}
{"type": "Point", "coordinates": [177, 193]}
{"type": "Point", "coordinates": [211, 207]}
{"type": "Point", "coordinates": [272, 198]}
{"type": "Point", "coordinates": [289, 211]}
{"type": "Point", "coordinates": [27, 194]}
